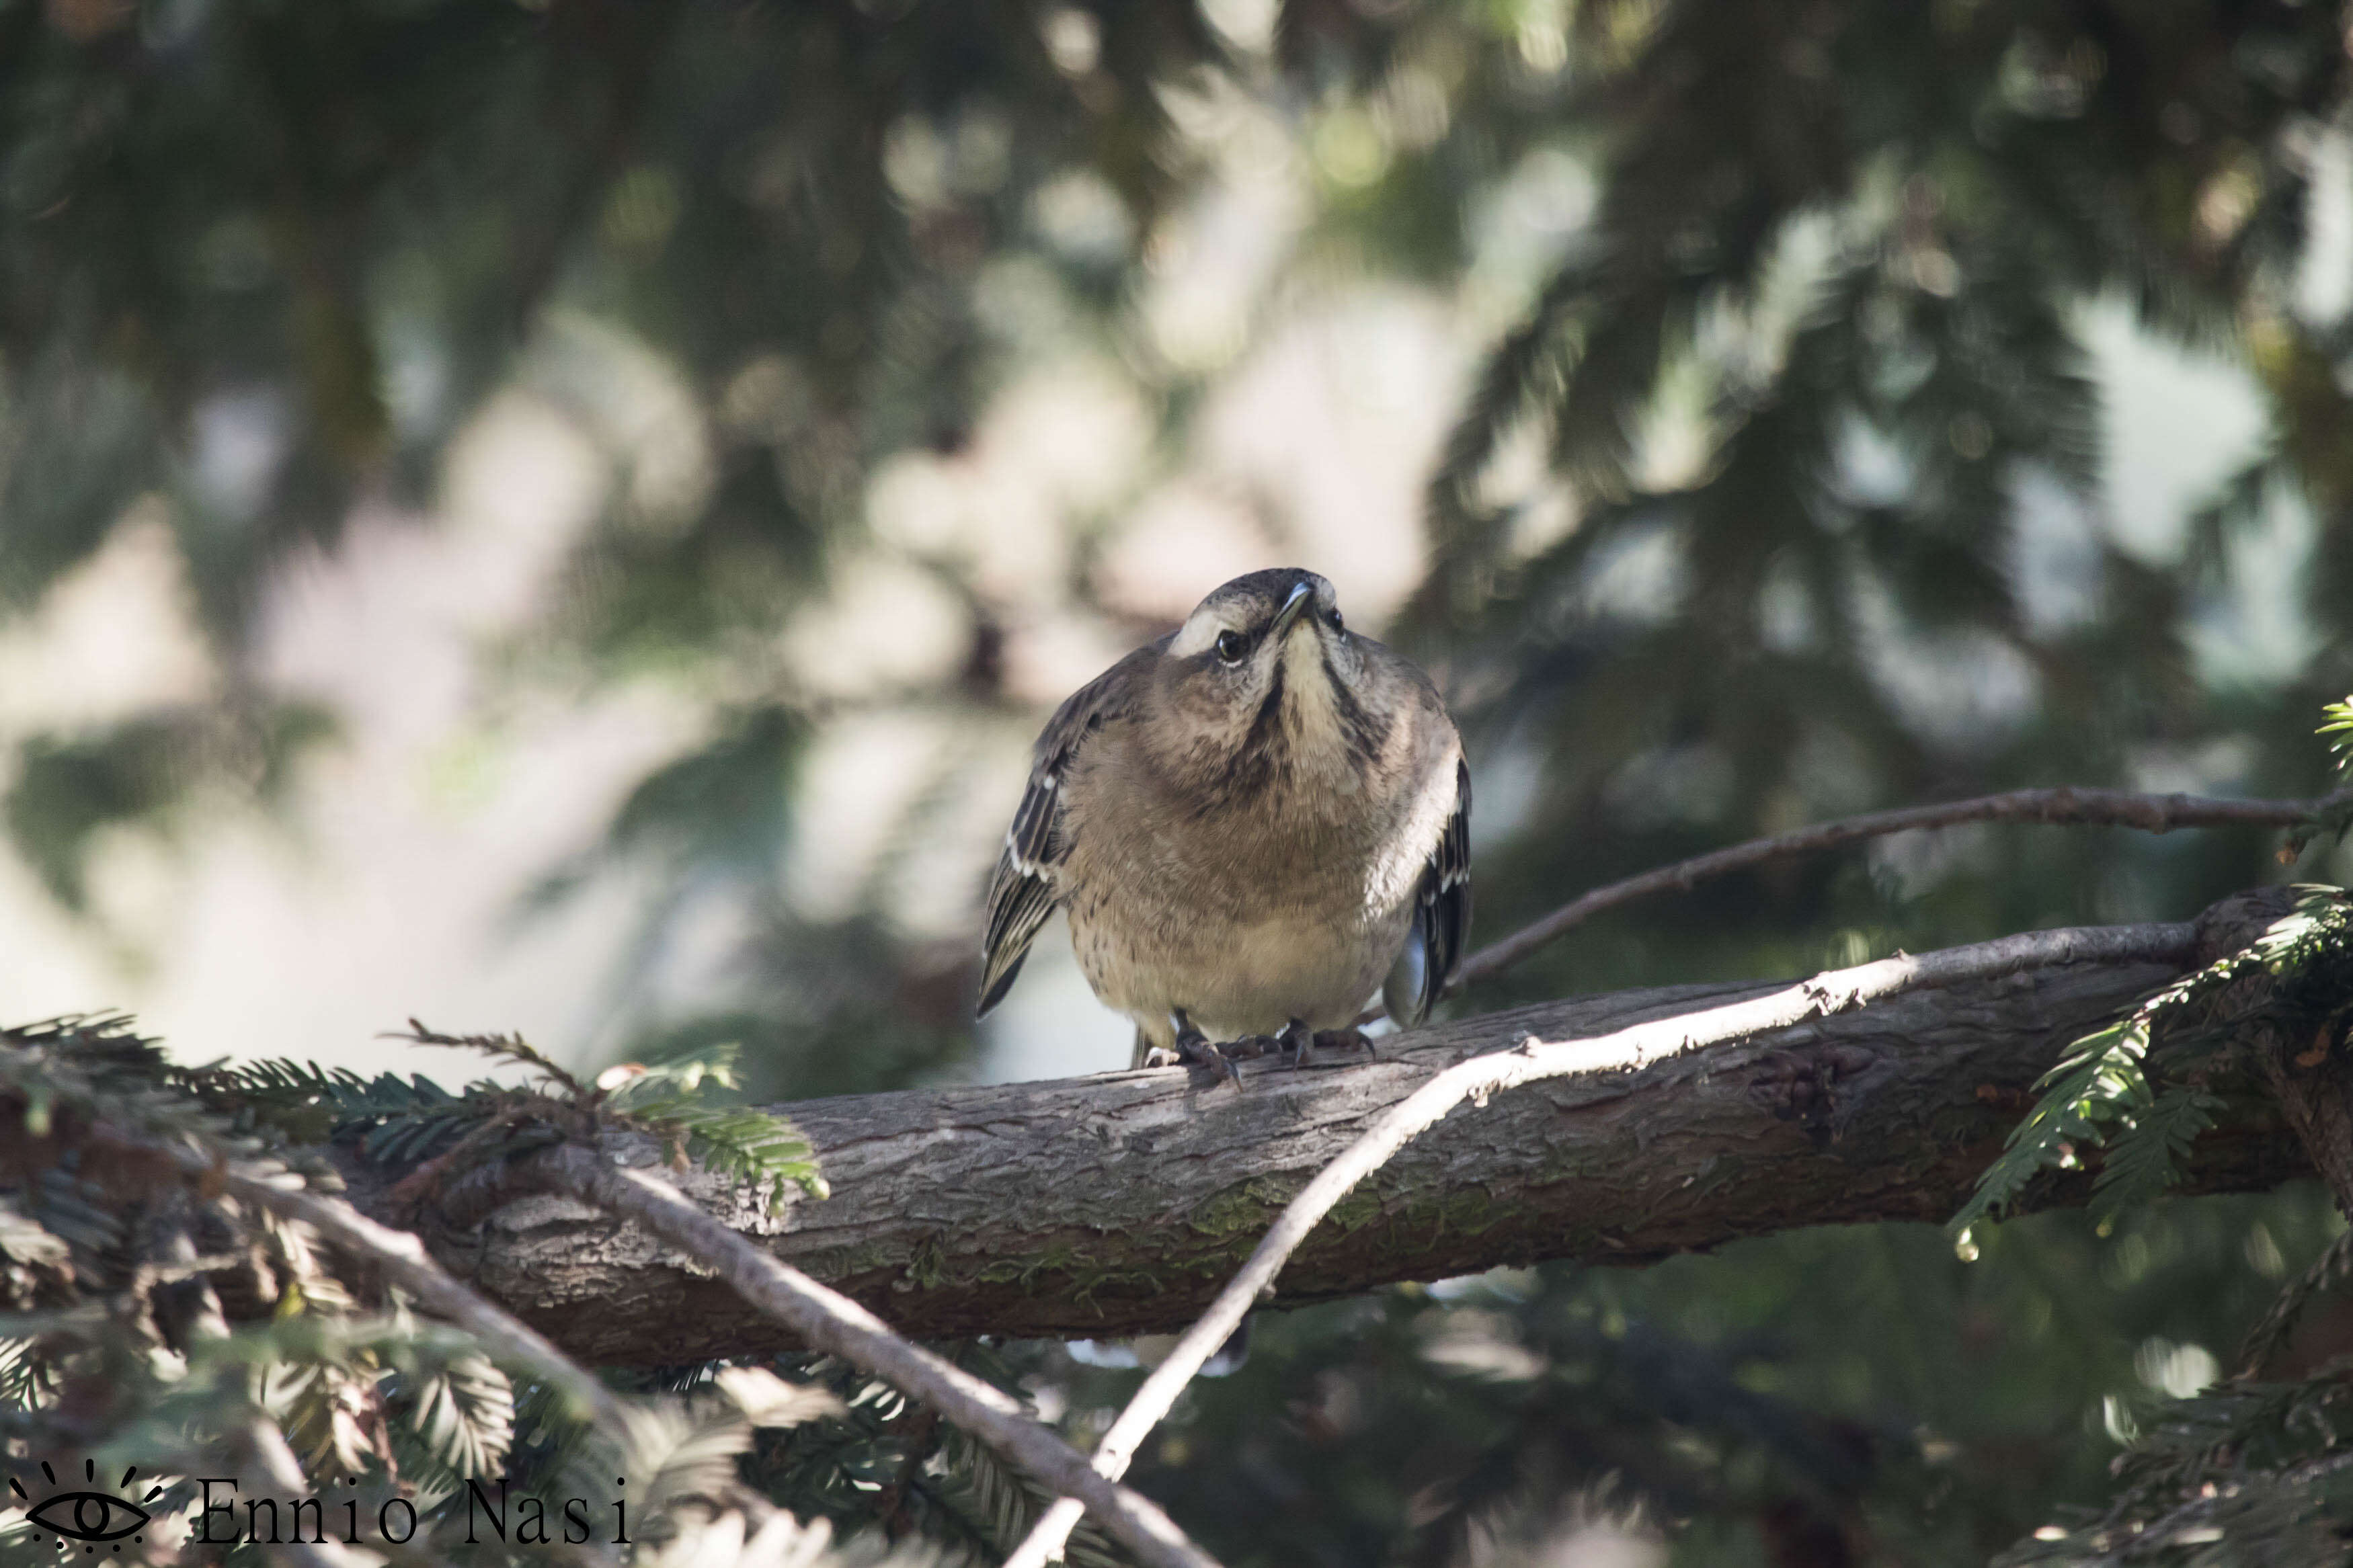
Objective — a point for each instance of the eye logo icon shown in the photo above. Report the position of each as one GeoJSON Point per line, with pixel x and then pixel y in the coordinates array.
{"type": "Point", "coordinates": [94, 1517]}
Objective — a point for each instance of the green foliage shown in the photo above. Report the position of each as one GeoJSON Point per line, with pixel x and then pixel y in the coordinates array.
{"type": "Point", "coordinates": [1853, 257]}
{"type": "Point", "coordinates": [202, 1318]}
{"type": "Point", "coordinates": [2329, 1272]}
{"type": "Point", "coordinates": [2251, 1470]}
{"type": "Point", "coordinates": [760, 1153]}
{"type": "Point", "coordinates": [1837, 1396]}
{"type": "Point", "coordinates": [993, 1505]}
{"type": "Point", "coordinates": [310, 208]}
{"type": "Point", "coordinates": [2337, 724]}
{"type": "Point", "coordinates": [2103, 1082]}
{"type": "Point", "coordinates": [2254, 1473]}
{"type": "Point", "coordinates": [401, 1123]}
{"type": "Point", "coordinates": [886, 1460]}
{"type": "Point", "coordinates": [2102, 1094]}
{"type": "Point", "coordinates": [122, 1259]}
{"type": "Point", "coordinates": [69, 789]}
{"type": "Point", "coordinates": [60, 1076]}
{"type": "Point", "coordinates": [464, 1416]}
{"type": "Point", "coordinates": [2146, 1157]}
{"type": "Point", "coordinates": [1864, 293]}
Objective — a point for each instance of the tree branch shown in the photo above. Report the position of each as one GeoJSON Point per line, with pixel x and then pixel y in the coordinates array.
{"type": "Point", "coordinates": [819, 1315]}
{"type": "Point", "coordinates": [401, 1258]}
{"type": "Point", "coordinates": [1532, 1060]}
{"type": "Point", "coordinates": [831, 1321]}
{"type": "Point", "coordinates": [1120, 1204]}
{"type": "Point", "coordinates": [2108, 807]}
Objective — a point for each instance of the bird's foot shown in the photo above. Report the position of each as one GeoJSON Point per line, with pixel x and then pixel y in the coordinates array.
{"type": "Point", "coordinates": [1296, 1040]}
{"type": "Point", "coordinates": [1200, 1051]}
{"type": "Point", "coordinates": [1348, 1039]}
{"type": "Point", "coordinates": [1196, 1049]}
{"type": "Point", "coordinates": [1292, 1043]}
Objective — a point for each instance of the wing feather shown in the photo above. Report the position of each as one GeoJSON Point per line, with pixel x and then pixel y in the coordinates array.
{"type": "Point", "coordinates": [1026, 886]}
{"type": "Point", "coordinates": [1441, 915]}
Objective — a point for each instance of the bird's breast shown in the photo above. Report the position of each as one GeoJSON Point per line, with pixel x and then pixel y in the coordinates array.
{"type": "Point", "coordinates": [1246, 920]}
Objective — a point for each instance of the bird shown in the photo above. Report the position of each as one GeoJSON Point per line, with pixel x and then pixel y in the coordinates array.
{"type": "Point", "coordinates": [1252, 822]}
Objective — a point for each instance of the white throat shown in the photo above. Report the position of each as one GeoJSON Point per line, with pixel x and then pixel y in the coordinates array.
{"type": "Point", "coordinates": [1319, 739]}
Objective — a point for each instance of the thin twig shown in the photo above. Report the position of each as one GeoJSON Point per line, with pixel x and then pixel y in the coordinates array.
{"type": "Point", "coordinates": [410, 1194]}
{"type": "Point", "coordinates": [402, 1260]}
{"type": "Point", "coordinates": [1834, 992]}
{"type": "Point", "coordinates": [2329, 1271]}
{"type": "Point", "coordinates": [2108, 807]}
{"type": "Point", "coordinates": [829, 1321]}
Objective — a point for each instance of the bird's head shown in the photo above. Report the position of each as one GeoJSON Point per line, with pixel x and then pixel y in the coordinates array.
{"type": "Point", "coordinates": [1265, 675]}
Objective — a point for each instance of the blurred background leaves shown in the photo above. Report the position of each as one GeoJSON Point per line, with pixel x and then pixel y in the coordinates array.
{"type": "Point", "coordinates": [574, 511]}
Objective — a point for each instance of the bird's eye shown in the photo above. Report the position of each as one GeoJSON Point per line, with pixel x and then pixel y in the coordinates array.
{"type": "Point", "coordinates": [1231, 645]}
{"type": "Point", "coordinates": [1336, 624]}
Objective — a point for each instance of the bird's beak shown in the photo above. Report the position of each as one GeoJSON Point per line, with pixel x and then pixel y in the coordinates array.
{"type": "Point", "coordinates": [1292, 609]}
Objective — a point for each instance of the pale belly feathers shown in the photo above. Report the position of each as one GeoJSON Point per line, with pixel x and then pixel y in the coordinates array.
{"type": "Point", "coordinates": [1248, 940]}
{"type": "Point", "coordinates": [1243, 979]}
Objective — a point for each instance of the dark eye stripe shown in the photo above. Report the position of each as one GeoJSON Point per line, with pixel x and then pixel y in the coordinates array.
{"type": "Point", "coordinates": [1367, 735]}
{"type": "Point", "coordinates": [1267, 726]}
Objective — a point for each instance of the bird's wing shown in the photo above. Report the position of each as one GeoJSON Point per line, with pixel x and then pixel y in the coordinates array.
{"type": "Point", "coordinates": [1441, 918]}
{"type": "Point", "coordinates": [1026, 886]}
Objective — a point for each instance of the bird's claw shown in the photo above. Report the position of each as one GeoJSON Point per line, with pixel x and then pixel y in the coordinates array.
{"type": "Point", "coordinates": [1201, 1052]}
{"type": "Point", "coordinates": [1295, 1041]}
{"type": "Point", "coordinates": [1194, 1049]}
{"type": "Point", "coordinates": [1348, 1039]}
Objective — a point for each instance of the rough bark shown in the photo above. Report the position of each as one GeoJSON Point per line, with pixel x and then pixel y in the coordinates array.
{"type": "Point", "coordinates": [2309, 1077]}
{"type": "Point", "coordinates": [1116, 1204]}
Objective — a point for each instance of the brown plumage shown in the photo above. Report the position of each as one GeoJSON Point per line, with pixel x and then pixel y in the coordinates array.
{"type": "Point", "coordinates": [1252, 822]}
